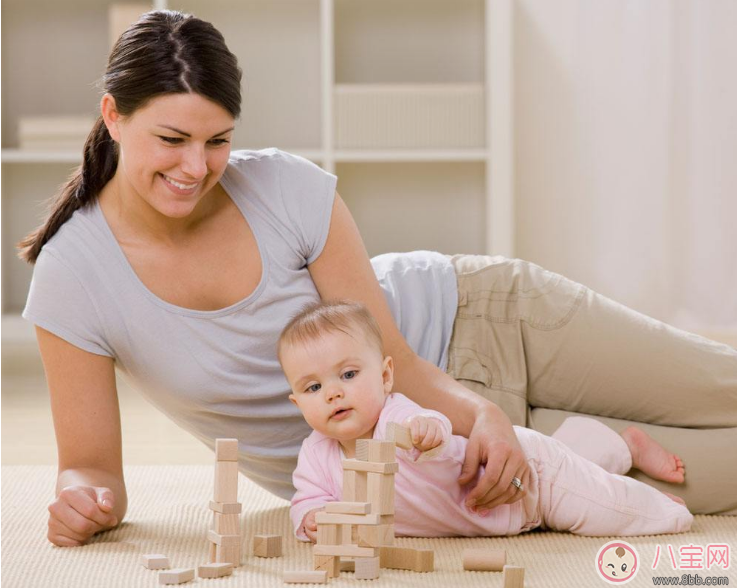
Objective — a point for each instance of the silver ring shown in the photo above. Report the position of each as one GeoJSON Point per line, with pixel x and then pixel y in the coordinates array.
{"type": "Point", "coordinates": [518, 483]}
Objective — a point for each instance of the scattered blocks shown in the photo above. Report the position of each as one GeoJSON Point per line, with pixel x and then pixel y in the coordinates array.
{"type": "Point", "coordinates": [178, 576]}
{"type": "Point", "coordinates": [407, 558]}
{"type": "Point", "coordinates": [215, 570]}
{"type": "Point", "coordinates": [267, 546]}
{"type": "Point", "coordinates": [484, 560]}
{"type": "Point", "coordinates": [306, 577]}
{"type": "Point", "coordinates": [155, 561]}
{"type": "Point", "coordinates": [514, 577]}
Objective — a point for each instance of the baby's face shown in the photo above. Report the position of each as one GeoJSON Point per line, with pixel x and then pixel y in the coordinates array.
{"type": "Point", "coordinates": [617, 562]}
{"type": "Point", "coordinates": [339, 381]}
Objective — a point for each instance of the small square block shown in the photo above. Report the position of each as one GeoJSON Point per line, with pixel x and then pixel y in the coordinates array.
{"type": "Point", "coordinates": [424, 560]}
{"type": "Point", "coordinates": [215, 570]}
{"type": "Point", "coordinates": [155, 561]}
{"type": "Point", "coordinates": [375, 450]}
{"type": "Point", "coordinates": [367, 568]}
{"type": "Point", "coordinates": [178, 576]}
{"type": "Point", "coordinates": [226, 449]}
{"type": "Point", "coordinates": [225, 554]}
{"type": "Point", "coordinates": [401, 436]}
{"type": "Point", "coordinates": [329, 563]}
{"type": "Point", "coordinates": [514, 577]}
{"type": "Point", "coordinates": [267, 545]}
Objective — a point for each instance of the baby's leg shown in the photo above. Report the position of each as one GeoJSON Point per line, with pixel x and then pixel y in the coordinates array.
{"type": "Point", "coordinates": [651, 458]}
{"type": "Point", "coordinates": [577, 495]}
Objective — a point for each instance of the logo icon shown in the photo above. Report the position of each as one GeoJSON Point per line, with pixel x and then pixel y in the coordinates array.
{"type": "Point", "coordinates": [617, 562]}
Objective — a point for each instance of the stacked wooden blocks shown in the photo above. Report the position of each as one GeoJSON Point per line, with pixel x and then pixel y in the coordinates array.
{"type": "Point", "coordinates": [225, 536]}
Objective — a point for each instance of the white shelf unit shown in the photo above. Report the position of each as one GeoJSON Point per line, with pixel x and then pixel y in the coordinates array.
{"type": "Point", "coordinates": [415, 184]}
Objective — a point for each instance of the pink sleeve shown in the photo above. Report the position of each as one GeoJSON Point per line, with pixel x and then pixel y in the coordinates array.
{"type": "Point", "coordinates": [398, 408]}
{"type": "Point", "coordinates": [313, 486]}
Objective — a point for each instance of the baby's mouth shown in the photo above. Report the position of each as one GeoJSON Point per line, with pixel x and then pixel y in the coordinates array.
{"type": "Point", "coordinates": [340, 413]}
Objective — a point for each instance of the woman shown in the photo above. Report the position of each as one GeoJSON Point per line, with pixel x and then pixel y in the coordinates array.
{"type": "Point", "coordinates": [177, 262]}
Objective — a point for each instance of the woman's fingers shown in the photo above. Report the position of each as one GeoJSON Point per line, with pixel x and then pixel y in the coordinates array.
{"type": "Point", "coordinates": [84, 501]}
{"type": "Point", "coordinates": [78, 513]}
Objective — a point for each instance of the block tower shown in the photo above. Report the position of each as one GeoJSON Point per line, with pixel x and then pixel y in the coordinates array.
{"type": "Point", "coordinates": [361, 526]}
{"type": "Point", "coordinates": [225, 536]}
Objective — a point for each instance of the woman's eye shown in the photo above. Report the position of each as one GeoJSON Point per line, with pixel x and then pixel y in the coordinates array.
{"type": "Point", "coordinates": [314, 388]}
{"type": "Point", "coordinates": [350, 374]}
{"type": "Point", "coordinates": [170, 140]}
{"type": "Point", "coordinates": [218, 142]}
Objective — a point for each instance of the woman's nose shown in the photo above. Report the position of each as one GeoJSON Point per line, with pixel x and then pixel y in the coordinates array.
{"type": "Point", "coordinates": [194, 162]}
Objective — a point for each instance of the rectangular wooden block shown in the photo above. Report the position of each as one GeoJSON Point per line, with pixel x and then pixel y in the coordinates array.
{"type": "Point", "coordinates": [407, 558]}
{"type": "Point", "coordinates": [345, 550]}
{"type": "Point", "coordinates": [400, 435]}
{"type": "Point", "coordinates": [155, 561]}
{"type": "Point", "coordinates": [375, 535]}
{"type": "Point", "coordinates": [346, 535]}
{"type": "Point", "coordinates": [226, 507]}
{"type": "Point", "coordinates": [226, 481]}
{"type": "Point", "coordinates": [370, 466]}
{"type": "Point", "coordinates": [226, 524]}
{"type": "Point", "coordinates": [327, 534]}
{"type": "Point", "coordinates": [228, 554]}
{"type": "Point", "coordinates": [348, 507]}
{"type": "Point", "coordinates": [214, 570]}
{"type": "Point", "coordinates": [380, 493]}
{"type": "Point", "coordinates": [354, 486]}
{"type": "Point", "coordinates": [424, 560]}
{"type": "Point", "coordinates": [514, 577]}
{"type": "Point", "coordinates": [328, 563]}
{"type": "Point", "coordinates": [306, 577]}
{"type": "Point", "coordinates": [375, 450]}
{"type": "Point", "coordinates": [226, 449]}
{"type": "Point", "coordinates": [212, 553]}
{"type": "Point", "coordinates": [267, 545]}
{"type": "Point", "coordinates": [224, 540]}
{"type": "Point", "coordinates": [344, 519]}
{"type": "Point", "coordinates": [367, 568]}
{"type": "Point", "coordinates": [177, 576]}
{"type": "Point", "coordinates": [484, 560]}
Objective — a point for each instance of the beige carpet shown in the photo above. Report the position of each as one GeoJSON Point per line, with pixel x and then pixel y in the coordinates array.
{"type": "Point", "coordinates": [168, 514]}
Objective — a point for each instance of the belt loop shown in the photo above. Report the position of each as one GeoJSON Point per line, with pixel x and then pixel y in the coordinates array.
{"type": "Point", "coordinates": [462, 298]}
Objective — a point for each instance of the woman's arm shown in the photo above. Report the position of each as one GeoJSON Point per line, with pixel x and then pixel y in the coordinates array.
{"type": "Point", "coordinates": [343, 270]}
{"type": "Point", "coordinates": [90, 490]}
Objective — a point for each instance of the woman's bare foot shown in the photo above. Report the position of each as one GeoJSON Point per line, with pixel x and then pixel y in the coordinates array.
{"type": "Point", "coordinates": [675, 498]}
{"type": "Point", "coordinates": [650, 457]}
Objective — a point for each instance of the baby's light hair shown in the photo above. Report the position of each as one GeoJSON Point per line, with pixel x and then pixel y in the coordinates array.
{"type": "Point", "coordinates": [330, 316]}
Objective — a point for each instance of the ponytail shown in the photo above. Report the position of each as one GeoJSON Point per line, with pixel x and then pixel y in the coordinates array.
{"type": "Point", "coordinates": [99, 162]}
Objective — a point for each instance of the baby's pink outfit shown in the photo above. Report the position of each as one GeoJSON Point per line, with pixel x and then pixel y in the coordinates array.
{"type": "Point", "coordinates": [566, 492]}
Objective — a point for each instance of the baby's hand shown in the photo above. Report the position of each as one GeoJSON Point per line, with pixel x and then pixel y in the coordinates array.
{"type": "Point", "coordinates": [309, 525]}
{"type": "Point", "coordinates": [426, 432]}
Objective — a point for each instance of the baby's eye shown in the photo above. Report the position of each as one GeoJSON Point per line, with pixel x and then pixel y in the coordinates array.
{"type": "Point", "coordinates": [350, 374]}
{"type": "Point", "coordinates": [313, 388]}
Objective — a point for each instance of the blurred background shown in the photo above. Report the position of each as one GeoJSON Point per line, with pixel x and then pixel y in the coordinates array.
{"type": "Point", "coordinates": [597, 138]}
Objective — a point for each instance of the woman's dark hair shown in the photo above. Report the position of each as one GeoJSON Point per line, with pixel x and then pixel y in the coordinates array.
{"type": "Point", "coordinates": [164, 52]}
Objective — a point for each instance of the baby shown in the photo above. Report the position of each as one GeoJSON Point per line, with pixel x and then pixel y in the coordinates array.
{"type": "Point", "coordinates": [332, 355]}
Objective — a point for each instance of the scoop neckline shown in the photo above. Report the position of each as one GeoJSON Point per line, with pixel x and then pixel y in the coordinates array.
{"type": "Point", "coordinates": [225, 182]}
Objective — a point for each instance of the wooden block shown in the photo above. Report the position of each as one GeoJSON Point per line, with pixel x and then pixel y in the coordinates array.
{"type": "Point", "coordinates": [226, 507]}
{"type": "Point", "coordinates": [484, 560]}
{"type": "Point", "coordinates": [224, 540]}
{"type": "Point", "coordinates": [228, 554]}
{"type": "Point", "coordinates": [514, 577]}
{"type": "Point", "coordinates": [348, 507]}
{"type": "Point", "coordinates": [354, 486]}
{"type": "Point", "coordinates": [370, 466]}
{"type": "Point", "coordinates": [212, 554]}
{"type": "Point", "coordinates": [155, 561]}
{"type": "Point", "coordinates": [375, 535]}
{"type": "Point", "coordinates": [345, 550]}
{"type": "Point", "coordinates": [226, 481]}
{"type": "Point", "coordinates": [375, 450]}
{"type": "Point", "coordinates": [327, 534]}
{"type": "Point", "coordinates": [380, 493]}
{"type": "Point", "coordinates": [306, 577]}
{"type": "Point", "coordinates": [178, 576]}
{"type": "Point", "coordinates": [424, 560]}
{"type": "Point", "coordinates": [401, 436]}
{"type": "Point", "coordinates": [367, 568]}
{"type": "Point", "coordinates": [226, 449]}
{"type": "Point", "coordinates": [346, 535]}
{"type": "Point", "coordinates": [226, 524]}
{"type": "Point", "coordinates": [344, 519]}
{"type": "Point", "coordinates": [215, 570]}
{"type": "Point", "coordinates": [267, 545]}
{"type": "Point", "coordinates": [347, 565]}
{"type": "Point", "coordinates": [329, 563]}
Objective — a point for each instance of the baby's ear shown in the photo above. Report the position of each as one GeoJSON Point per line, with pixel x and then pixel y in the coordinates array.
{"type": "Point", "coordinates": [293, 398]}
{"type": "Point", "coordinates": [388, 374]}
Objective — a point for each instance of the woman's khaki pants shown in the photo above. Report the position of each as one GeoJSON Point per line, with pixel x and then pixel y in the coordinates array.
{"type": "Point", "coordinates": [544, 348]}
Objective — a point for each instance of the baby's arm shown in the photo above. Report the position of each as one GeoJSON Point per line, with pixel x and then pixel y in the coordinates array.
{"type": "Point", "coordinates": [313, 492]}
{"type": "Point", "coordinates": [430, 430]}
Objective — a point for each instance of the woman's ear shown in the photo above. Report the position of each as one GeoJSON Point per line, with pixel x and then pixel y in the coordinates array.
{"type": "Point", "coordinates": [388, 374]}
{"type": "Point", "coordinates": [110, 115]}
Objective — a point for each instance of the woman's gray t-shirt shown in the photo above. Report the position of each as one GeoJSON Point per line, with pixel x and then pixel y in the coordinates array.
{"type": "Point", "coordinates": [215, 373]}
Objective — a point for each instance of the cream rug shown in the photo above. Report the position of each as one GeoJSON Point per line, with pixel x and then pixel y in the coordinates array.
{"type": "Point", "coordinates": [168, 514]}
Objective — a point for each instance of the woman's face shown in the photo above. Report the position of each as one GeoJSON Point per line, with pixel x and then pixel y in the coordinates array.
{"type": "Point", "coordinates": [172, 151]}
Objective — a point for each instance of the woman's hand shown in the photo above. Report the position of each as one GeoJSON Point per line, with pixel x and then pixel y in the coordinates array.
{"type": "Point", "coordinates": [78, 513]}
{"type": "Point", "coordinates": [492, 442]}
{"type": "Point", "coordinates": [309, 525]}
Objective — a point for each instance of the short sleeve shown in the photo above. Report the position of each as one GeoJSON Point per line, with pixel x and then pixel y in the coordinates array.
{"type": "Point", "coordinates": [58, 302]}
{"type": "Point", "coordinates": [308, 193]}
